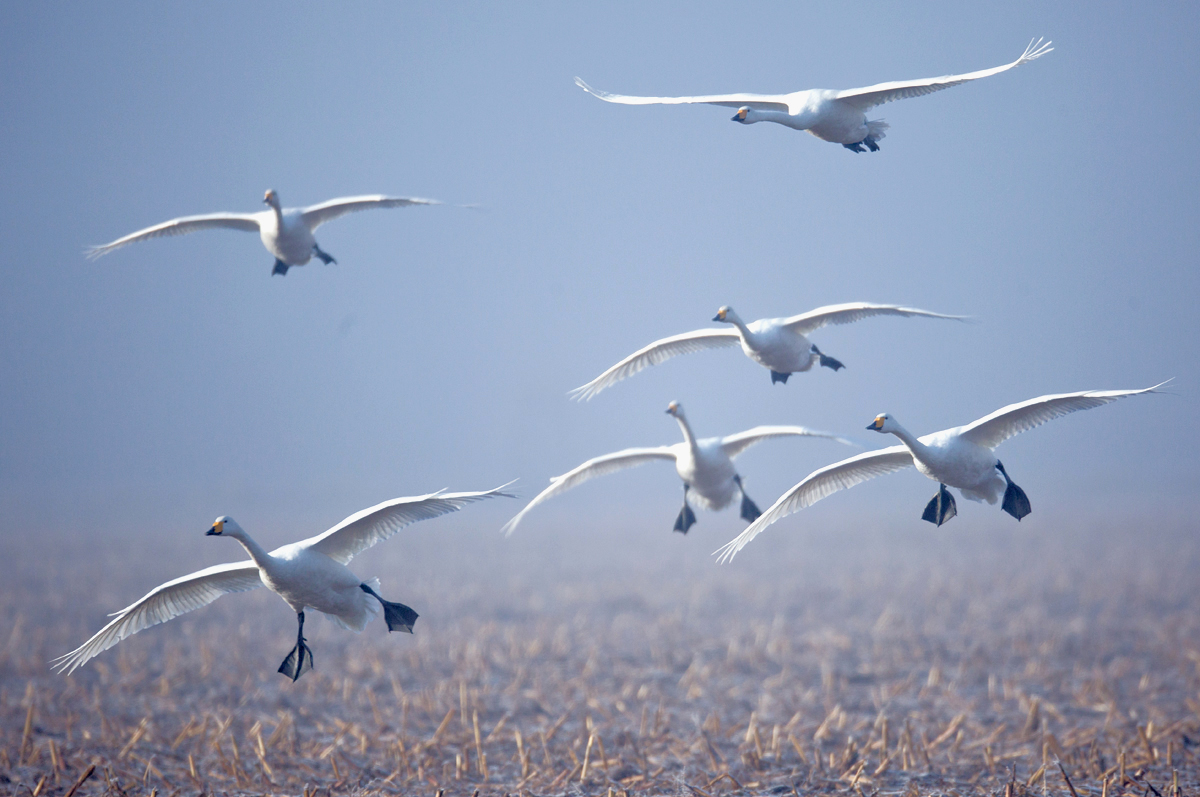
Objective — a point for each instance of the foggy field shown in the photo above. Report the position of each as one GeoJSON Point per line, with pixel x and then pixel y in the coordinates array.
{"type": "Point", "coordinates": [922, 661]}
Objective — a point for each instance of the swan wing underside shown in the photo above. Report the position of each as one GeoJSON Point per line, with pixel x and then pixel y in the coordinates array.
{"type": "Point", "coordinates": [657, 352]}
{"type": "Point", "coordinates": [316, 215]}
{"type": "Point", "coordinates": [821, 484]}
{"type": "Point", "coordinates": [375, 524]}
{"type": "Point", "coordinates": [992, 430]}
{"type": "Point", "coordinates": [762, 102]}
{"type": "Point", "coordinates": [163, 603]}
{"type": "Point", "coordinates": [246, 222]}
{"type": "Point", "coordinates": [850, 312]}
{"type": "Point", "coordinates": [735, 444]}
{"type": "Point", "coordinates": [868, 97]}
{"type": "Point", "coordinates": [598, 466]}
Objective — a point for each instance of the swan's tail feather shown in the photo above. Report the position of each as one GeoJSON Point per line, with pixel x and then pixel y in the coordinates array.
{"type": "Point", "coordinates": [877, 128]}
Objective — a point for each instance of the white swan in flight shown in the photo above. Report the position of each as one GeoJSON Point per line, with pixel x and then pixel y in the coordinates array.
{"type": "Point", "coordinates": [838, 116]}
{"type": "Point", "coordinates": [287, 233]}
{"type": "Point", "coordinates": [706, 467]}
{"type": "Point", "coordinates": [777, 344]}
{"type": "Point", "coordinates": [310, 573]}
{"type": "Point", "coordinates": [962, 457]}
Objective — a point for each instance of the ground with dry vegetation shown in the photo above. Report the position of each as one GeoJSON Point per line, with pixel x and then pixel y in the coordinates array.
{"type": "Point", "coordinates": [922, 661]}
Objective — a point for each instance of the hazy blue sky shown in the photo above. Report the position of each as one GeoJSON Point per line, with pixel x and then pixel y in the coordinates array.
{"type": "Point", "coordinates": [177, 380]}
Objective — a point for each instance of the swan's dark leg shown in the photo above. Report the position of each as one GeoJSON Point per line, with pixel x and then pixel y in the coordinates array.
{"type": "Point", "coordinates": [686, 518]}
{"type": "Point", "coordinates": [398, 616]}
{"type": "Point", "coordinates": [750, 510]}
{"type": "Point", "coordinates": [871, 145]}
{"type": "Point", "coordinates": [326, 258]}
{"type": "Point", "coordinates": [300, 660]}
{"type": "Point", "coordinates": [1016, 503]}
{"type": "Point", "coordinates": [280, 268]}
{"type": "Point", "coordinates": [776, 376]}
{"type": "Point", "coordinates": [828, 362]}
{"type": "Point", "coordinates": [941, 508]}
{"type": "Point", "coordinates": [855, 147]}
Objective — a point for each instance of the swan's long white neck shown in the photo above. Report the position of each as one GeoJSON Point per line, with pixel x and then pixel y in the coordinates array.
{"type": "Point", "coordinates": [687, 430]}
{"type": "Point", "coordinates": [801, 121]}
{"type": "Point", "coordinates": [733, 318]}
{"type": "Point", "coordinates": [918, 449]}
{"type": "Point", "coordinates": [259, 554]}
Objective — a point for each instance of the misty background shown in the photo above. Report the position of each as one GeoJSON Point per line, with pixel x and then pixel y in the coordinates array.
{"type": "Point", "coordinates": [173, 381]}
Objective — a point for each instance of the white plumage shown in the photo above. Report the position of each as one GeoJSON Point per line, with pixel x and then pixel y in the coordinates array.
{"type": "Point", "coordinates": [777, 344]}
{"type": "Point", "coordinates": [287, 233]}
{"type": "Point", "coordinates": [838, 116]}
{"type": "Point", "coordinates": [311, 573]}
{"type": "Point", "coordinates": [961, 457]}
{"type": "Point", "coordinates": [705, 466]}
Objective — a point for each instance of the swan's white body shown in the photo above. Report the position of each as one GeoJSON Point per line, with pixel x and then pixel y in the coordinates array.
{"type": "Point", "coordinates": [963, 457]}
{"type": "Point", "coordinates": [705, 465]}
{"type": "Point", "coordinates": [287, 233]}
{"type": "Point", "coordinates": [311, 573]}
{"type": "Point", "coordinates": [838, 116]}
{"type": "Point", "coordinates": [778, 344]}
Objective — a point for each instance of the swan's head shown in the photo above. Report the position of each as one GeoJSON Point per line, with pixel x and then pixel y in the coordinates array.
{"type": "Point", "coordinates": [743, 115]}
{"type": "Point", "coordinates": [674, 409]}
{"type": "Point", "coordinates": [271, 198]}
{"type": "Point", "coordinates": [726, 315]}
{"type": "Point", "coordinates": [224, 526]}
{"type": "Point", "coordinates": [883, 423]}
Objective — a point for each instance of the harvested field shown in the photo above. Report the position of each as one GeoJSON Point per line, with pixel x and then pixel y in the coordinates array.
{"type": "Point", "coordinates": [924, 661]}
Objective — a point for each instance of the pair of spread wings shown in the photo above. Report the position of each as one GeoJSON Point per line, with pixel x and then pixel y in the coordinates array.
{"type": "Point", "coordinates": [864, 99]}
{"type": "Point", "coordinates": [697, 340]}
{"type": "Point", "coordinates": [732, 445]}
{"type": "Point", "coordinates": [313, 216]}
{"type": "Point", "coordinates": [989, 432]}
{"type": "Point", "coordinates": [341, 543]}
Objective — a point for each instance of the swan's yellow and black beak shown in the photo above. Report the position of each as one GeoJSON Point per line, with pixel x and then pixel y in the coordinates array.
{"type": "Point", "coordinates": [720, 316]}
{"type": "Point", "coordinates": [673, 408]}
{"type": "Point", "coordinates": [877, 424]}
{"type": "Point", "coordinates": [216, 529]}
{"type": "Point", "coordinates": [740, 116]}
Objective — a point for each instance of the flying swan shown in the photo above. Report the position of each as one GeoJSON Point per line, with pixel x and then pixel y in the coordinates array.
{"type": "Point", "coordinates": [961, 457]}
{"type": "Point", "coordinates": [706, 467]}
{"type": "Point", "coordinates": [310, 573]}
{"type": "Point", "coordinates": [838, 116]}
{"type": "Point", "coordinates": [777, 344]}
{"type": "Point", "coordinates": [287, 233]}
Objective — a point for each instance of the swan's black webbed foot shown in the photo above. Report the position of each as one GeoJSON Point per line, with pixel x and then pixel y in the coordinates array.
{"type": "Point", "coordinates": [856, 147]}
{"type": "Point", "coordinates": [397, 616]}
{"type": "Point", "coordinates": [776, 376]}
{"type": "Point", "coordinates": [828, 362]}
{"type": "Point", "coordinates": [1016, 503]}
{"type": "Point", "coordinates": [326, 258]}
{"type": "Point", "coordinates": [871, 145]}
{"type": "Point", "coordinates": [687, 518]}
{"type": "Point", "coordinates": [941, 508]}
{"type": "Point", "coordinates": [280, 268]}
{"type": "Point", "coordinates": [300, 660]}
{"type": "Point", "coordinates": [750, 510]}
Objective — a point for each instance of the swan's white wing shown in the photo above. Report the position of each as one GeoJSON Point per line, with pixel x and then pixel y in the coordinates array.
{"type": "Point", "coordinates": [316, 215]}
{"type": "Point", "coordinates": [164, 603]}
{"type": "Point", "coordinates": [246, 222]}
{"type": "Point", "coordinates": [820, 484]}
{"type": "Point", "coordinates": [762, 102]}
{"type": "Point", "coordinates": [870, 96]}
{"type": "Point", "coordinates": [657, 352]}
{"type": "Point", "coordinates": [850, 312]}
{"type": "Point", "coordinates": [363, 529]}
{"type": "Point", "coordinates": [735, 444]}
{"type": "Point", "coordinates": [619, 460]}
{"type": "Point", "coordinates": [992, 430]}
